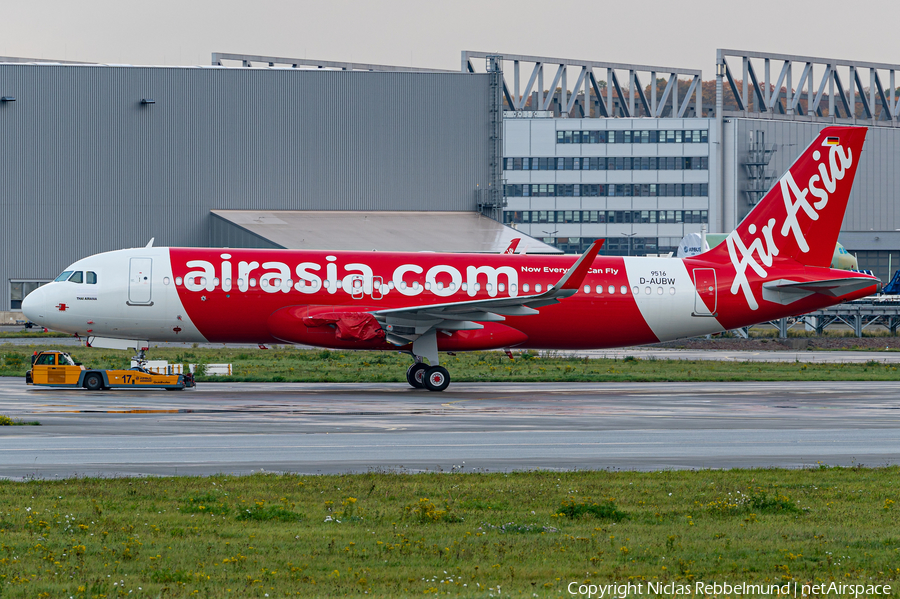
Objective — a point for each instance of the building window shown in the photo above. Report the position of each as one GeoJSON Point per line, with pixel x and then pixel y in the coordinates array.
{"type": "Point", "coordinates": [19, 289]}
{"type": "Point", "coordinates": [635, 137]}
{"type": "Point", "coordinates": [612, 190]}
{"type": "Point", "coordinates": [652, 163]}
{"type": "Point", "coordinates": [608, 216]}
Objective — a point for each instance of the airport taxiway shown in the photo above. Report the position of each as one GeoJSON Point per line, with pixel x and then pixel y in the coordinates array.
{"type": "Point", "coordinates": [326, 428]}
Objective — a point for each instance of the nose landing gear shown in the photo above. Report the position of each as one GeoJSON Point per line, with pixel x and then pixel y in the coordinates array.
{"type": "Point", "coordinates": [141, 360]}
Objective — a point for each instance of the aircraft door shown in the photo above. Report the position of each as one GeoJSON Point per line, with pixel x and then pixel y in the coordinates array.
{"type": "Point", "coordinates": [357, 286]}
{"type": "Point", "coordinates": [705, 300]}
{"type": "Point", "coordinates": [140, 282]}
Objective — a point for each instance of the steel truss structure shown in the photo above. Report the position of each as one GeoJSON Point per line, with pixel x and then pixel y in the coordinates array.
{"type": "Point", "coordinates": [221, 59]}
{"type": "Point", "coordinates": [613, 101]}
{"type": "Point", "coordinates": [783, 97]}
{"type": "Point", "coordinates": [490, 201]}
{"type": "Point", "coordinates": [857, 315]}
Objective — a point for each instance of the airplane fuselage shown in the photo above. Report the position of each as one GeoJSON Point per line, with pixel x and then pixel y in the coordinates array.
{"type": "Point", "coordinates": [774, 264]}
{"type": "Point", "coordinates": [240, 295]}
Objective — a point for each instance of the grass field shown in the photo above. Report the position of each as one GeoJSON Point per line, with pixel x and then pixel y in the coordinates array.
{"type": "Point", "coordinates": [289, 364]}
{"type": "Point", "coordinates": [462, 534]}
{"type": "Point", "coordinates": [26, 334]}
{"type": "Point", "coordinates": [470, 535]}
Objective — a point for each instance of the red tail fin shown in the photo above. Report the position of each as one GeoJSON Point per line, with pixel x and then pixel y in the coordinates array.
{"type": "Point", "coordinates": [801, 216]}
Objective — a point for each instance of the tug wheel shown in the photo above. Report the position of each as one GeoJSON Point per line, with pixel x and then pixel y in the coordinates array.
{"type": "Point", "coordinates": [93, 382]}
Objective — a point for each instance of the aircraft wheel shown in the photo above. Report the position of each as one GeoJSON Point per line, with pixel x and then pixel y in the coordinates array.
{"type": "Point", "coordinates": [437, 378]}
{"type": "Point", "coordinates": [93, 382]}
{"type": "Point", "coordinates": [415, 376]}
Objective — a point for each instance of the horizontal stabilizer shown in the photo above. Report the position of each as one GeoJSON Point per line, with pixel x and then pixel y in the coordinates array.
{"type": "Point", "coordinates": [785, 292]}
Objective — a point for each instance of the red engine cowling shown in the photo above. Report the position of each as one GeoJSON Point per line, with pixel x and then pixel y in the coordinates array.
{"type": "Point", "coordinates": [327, 326]}
{"type": "Point", "coordinates": [493, 336]}
{"type": "Point", "coordinates": [354, 328]}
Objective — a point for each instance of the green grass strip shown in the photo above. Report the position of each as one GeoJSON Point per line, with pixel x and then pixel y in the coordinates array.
{"type": "Point", "coordinates": [36, 334]}
{"type": "Point", "coordinates": [296, 365]}
{"type": "Point", "coordinates": [463, 534]}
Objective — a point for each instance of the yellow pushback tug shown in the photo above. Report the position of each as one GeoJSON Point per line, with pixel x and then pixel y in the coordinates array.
{"type": "Point", "coordinates": [57, 369]}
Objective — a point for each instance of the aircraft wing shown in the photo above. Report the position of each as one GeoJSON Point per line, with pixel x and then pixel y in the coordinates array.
{"type": "Point", "coordinates": [403, 325]}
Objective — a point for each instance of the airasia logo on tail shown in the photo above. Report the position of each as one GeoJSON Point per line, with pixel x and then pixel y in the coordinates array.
{"type": "Point", "coordinates": [759, 253]}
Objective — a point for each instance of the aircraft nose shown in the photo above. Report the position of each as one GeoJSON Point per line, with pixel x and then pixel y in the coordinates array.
{"type": "Point", "coordinates": [34, 306]}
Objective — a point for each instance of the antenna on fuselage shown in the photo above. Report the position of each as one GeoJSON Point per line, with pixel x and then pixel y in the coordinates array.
{"type": "Point", "coordinates": [150, 243]}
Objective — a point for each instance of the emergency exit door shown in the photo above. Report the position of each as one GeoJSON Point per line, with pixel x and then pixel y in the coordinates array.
{"type": "Point", "coordinates": [705, 299]}
{"type": "Point", "coordinates": [140, 282]}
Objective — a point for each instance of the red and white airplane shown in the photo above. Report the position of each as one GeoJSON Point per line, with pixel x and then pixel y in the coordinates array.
{"type": "Point", "coordinates": [775, 264]}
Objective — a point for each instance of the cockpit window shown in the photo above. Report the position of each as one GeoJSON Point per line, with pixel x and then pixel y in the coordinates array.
{"type": "Point", "coordinates": [91, 278]}
{"type": "Point", "coordinates": [64, 276]}
{"type": "Point", "coordinates": [77, 277]}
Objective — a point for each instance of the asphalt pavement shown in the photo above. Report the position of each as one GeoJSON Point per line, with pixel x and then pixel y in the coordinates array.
{"type": "Point", "coordinates": [328, 428]}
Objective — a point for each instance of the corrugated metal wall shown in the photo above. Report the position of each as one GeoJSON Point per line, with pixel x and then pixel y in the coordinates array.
{"type": "Point", "coordinates": [873, 202]}
{"type": "Point", "coordinates": [84, 167]}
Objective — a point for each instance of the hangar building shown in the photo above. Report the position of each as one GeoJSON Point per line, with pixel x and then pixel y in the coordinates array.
{"type": "Point", "coordinates": [641, 155]}
{"type": "Point", "coordinates": [100, 157]}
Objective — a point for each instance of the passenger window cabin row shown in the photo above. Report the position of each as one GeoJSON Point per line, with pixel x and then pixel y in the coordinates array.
{"type": "Point", "coordinates": [526, 288]}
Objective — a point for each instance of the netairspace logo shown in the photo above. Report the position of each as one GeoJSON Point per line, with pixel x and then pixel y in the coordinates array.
{"type": "Point", "coordinates": [615, 590]}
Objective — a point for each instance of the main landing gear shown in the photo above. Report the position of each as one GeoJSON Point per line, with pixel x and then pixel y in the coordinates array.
{"type": "Point", "coordinates": [423, 376]}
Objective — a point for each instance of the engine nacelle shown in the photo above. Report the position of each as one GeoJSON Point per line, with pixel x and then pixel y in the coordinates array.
{"type": "Point", "coordinates": [493, 336]}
